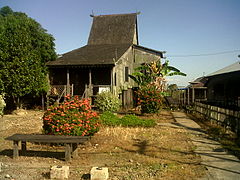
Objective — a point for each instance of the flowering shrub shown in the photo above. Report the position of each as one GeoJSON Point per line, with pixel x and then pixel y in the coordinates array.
{"type": "Point", "coordinates": [106, 101]}
{"type": "Point", "coordinates": [150, 99]}
{"type": "Point", "coordinates": [72, 117]}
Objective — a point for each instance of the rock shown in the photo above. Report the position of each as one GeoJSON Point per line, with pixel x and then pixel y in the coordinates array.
{"type": "Point", "coordinates": [59, 172]}
{"type": "Point", "coordinates": [99, 173]}
{"type": "Point", "coordinates": [7, 176]}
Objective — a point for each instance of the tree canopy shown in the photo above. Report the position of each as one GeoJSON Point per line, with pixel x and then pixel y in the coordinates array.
{"type": "Point", "coordinates": [25, 47]}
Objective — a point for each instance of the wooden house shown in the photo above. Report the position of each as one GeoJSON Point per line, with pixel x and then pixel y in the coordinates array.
{"type": "Point", "coordinates": [111, 54]}
{"type": "Point", "coordinates": [195, 91]}
{"type": "Point", "coordinates": [224, 87]}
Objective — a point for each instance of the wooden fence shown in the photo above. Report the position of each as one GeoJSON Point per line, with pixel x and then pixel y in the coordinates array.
{"type": "Point", "coordinates": [224, 117]}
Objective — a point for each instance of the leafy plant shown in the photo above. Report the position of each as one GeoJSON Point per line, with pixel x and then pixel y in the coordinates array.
{"type": "Point", "coordinates": [72, 117]}
{"type": "Point", "coordinates": [109, 119]}
{"type": "Point", "coordinates": [152, 84]}
{"type": "Point", "coordinates": [150, 99]}
{"type": "Point", "coordinates": [106, 101]}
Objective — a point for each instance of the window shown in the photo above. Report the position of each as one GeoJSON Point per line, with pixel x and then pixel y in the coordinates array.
{"type": "Point", "coordinates": [126, 74]}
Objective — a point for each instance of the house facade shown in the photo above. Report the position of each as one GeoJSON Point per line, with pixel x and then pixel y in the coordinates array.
{"type": "Point", "coordinates": [194, 92]}
{"type": "Point", "coordinates": [112, 53]}
{"type": "Point", "coordinates": [224, 87]}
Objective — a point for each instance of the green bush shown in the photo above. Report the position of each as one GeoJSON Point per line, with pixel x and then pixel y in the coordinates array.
{"type": "Point", "coordinates": [72, 117]}
{"type": "Point", "coordinates": [109, 119]}
{"type": "Point", "coordinates": [106, 101]}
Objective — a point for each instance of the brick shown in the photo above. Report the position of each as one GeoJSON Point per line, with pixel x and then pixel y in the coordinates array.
{"type": "Point", "coordinates": [98, 173]}
{"type": "Point", "coordinates": [59, 172]}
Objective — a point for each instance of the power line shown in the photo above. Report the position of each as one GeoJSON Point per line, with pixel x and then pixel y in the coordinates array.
{"type": "Point", "coordinates": [205, 54]}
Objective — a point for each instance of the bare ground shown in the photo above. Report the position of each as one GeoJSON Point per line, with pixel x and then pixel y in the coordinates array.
{"type": "Point", "coordinates": [162, 152]}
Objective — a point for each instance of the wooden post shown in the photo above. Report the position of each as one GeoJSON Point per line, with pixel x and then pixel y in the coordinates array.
{"type": "Point", "coordinates": [43, 102]}
{"type": "Point", "coordinates": [193, 95]}
{"type": "Point", "coordinates": [112, 80]}
{"type": "Point", "coordinates": [75, 150]}
{"type": "Point", "coordinates": [24, 147]}
{"type": "Point", "coordinates": [68, 151]}
{"type": "Point", "coordinates": [205, 94]}
{"type": "Point", "coordinates": [15, 149]}
{"type": "Point", "coordinates": [188, 98]}
{"type": "Point", "coordinates": [90, 86]}
{"type": "Point", "coordinates": [86, 91]}
{"type": "Point", "coordinates": [68, 82]}
{"type": "Point", "coordinates": [184, 97]}
{"type": "Point", "coordinates": [72, 90]}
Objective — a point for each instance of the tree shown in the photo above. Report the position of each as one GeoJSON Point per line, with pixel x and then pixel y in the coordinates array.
{"type": "Point", "coordinates": [25, 47]}
{"type": "Point", "coordinates": [151, 79]}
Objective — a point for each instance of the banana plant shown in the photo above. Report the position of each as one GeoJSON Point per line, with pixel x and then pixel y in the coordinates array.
{"type": "Point", "coordinates": [154, 73]}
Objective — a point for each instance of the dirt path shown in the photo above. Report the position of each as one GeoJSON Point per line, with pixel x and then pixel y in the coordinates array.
{"type": "Point", "coordinates": [162, 152]}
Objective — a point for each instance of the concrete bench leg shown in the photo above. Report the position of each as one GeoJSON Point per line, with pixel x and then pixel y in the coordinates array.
{"type": "Point", "coordinates": [24, 147]}
{"type": "Point", "coordinates": [68, 152]}
{"type": "Point", "coordinates": [15, 149]}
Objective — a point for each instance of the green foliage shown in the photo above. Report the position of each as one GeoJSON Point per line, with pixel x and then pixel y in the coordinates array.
{"type": "Point", "coordinates": [150, 99]}
{"type": "Point", "coordinates": [155, 72]}
{"type": "Point", "coordinates": [72, 117]}
{"type": "Point", "coordinates": [109, 119]}
{"type": "Point", "coordinates": [106, 101]}
{"type": "Point", "coordinates": [152, 82]}
{"type": "Point", "coordinates": [25, 47]}
{"type": "Point", "coordinates": [2, 104]}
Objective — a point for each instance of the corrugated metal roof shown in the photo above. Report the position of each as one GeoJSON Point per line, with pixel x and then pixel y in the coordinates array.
{"type": "Point", "coordinates": [231, 68]}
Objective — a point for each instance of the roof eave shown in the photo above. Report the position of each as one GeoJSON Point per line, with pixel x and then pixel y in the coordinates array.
{"type": "Point", "coordinates": [149, 49]}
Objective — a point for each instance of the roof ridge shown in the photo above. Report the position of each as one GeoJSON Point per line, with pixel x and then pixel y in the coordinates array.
{"type": "Point", "coordinates": [125, 14]}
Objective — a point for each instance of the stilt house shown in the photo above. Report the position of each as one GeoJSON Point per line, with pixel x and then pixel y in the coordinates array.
{"type": "Point", "coordinates": [111, 54]}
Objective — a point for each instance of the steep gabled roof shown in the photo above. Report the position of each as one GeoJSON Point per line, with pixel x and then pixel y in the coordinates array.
{"type": "Point", "coordinates": [104, 54]}
{"type": "Point", "coordinates": [110, 37]}
{"type": "Point", "coordinates": [231, 68]}
{"type": "Point", "coordinates": [114, 29]}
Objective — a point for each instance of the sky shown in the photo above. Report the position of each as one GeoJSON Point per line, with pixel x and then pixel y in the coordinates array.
{"type": "Point", "coordinates": [199, 37]}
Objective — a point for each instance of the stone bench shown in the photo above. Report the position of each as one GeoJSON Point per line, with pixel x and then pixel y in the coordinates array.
{"type": "Point", "coordinates": [71, 142]}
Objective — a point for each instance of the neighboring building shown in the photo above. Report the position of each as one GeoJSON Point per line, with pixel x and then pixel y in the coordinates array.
{"type": "Point", "coordinates": [224, 87]}
{"type": "Point", "coordinates": [112, 53]}
{"type": "Point", "coordinates": [195, 91]}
